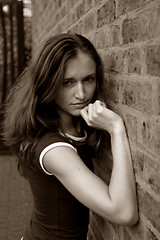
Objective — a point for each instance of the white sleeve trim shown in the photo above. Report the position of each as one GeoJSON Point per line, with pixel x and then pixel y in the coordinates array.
{"type": "Point", "coordinates": [51, 146]}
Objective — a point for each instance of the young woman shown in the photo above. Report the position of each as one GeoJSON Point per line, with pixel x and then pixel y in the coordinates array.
{"type": "Point", "coordinates": [54, 120]}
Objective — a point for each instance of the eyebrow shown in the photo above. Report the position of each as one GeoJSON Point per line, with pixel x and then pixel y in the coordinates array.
{"type": "Point", "coordinates": [89, 75]}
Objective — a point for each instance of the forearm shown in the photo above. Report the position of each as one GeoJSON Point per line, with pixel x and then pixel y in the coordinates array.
{"type": "Point", "coordinates": [122, 184]}
{"type": "Point", "coordinates": [121, 204]}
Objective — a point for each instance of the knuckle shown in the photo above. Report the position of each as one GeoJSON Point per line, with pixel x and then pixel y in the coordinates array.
{"type": "Point", "coordinates": [98, 111]}
{"type": "Point", "coordinates": [95, 116]}
{"type": "Point", "coordinates": [89, 124]}
{"type": "Point", "coordinates": [90, 119]}
{"type": "Point", "coordinates": [90, 104]}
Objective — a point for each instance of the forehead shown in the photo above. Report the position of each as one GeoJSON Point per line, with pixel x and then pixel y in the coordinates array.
{"type": "Point", "coordinates": [80, 66]}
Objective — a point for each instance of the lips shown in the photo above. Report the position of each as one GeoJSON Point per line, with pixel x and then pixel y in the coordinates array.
{"type": "Point", "coordinates": [80, 104]}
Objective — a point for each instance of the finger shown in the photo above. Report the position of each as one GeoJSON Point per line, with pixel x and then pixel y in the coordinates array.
{"type": "Point", "coordinates": [103, 104]}
{"type": "Point", "coordinates": [99, 106]}
{"type": "Point", "coordinates": [98, 102]}
{"type": "Point", "coordinates": [90, 112]}
{"type": "Point", "coordinates": [84, 114]}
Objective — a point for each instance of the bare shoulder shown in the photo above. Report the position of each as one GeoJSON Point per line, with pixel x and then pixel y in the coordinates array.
{"type": "Point", "coordinates": [62, 160]}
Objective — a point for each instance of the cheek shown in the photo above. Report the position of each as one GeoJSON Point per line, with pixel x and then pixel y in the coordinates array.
{"type": "Point", "coordinates": [63, 98]}
{"type": "Point", "coordinates": [92, 90]}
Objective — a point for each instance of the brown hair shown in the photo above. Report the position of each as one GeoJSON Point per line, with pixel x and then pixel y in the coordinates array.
{"type": "Point", "coordinates": [28, 114]}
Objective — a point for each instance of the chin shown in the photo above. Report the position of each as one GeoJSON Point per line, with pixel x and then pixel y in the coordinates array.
{"type": "Point", "coordinates": [76, 113]}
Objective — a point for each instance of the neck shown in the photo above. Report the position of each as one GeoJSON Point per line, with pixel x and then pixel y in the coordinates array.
{"type": "Point", "coordinates": [70, 125]}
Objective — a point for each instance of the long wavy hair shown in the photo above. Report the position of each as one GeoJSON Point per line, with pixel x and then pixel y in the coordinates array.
{"type": "Point", "coordinates": [30, 109]}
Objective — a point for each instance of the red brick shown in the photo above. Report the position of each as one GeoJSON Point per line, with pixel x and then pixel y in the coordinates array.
{"type": "Point", "coordinates": [73, 17]}
{"type": "Point", "coordinates": [95, 230]}
{"type": "Point", "coordinates": [153, 60]}
{"type": "Point", "coordinates": [125, 6]}
{"type": "Point", "coordinates": [138, 162]}
{"type": "Point", "coordinates": [150, 134]}
{"type": "Point", "coordinates": [131, 125]}
{"type": "Point", "coordinates": [149, 207]}
{"type": "Point", "coordinates": [127, 236]}
{"type": "Point", "coordinates": [97, 1]}
{"type": "Point", "coordinates": [143, 27]}
{"type": "Point", "coordinates": [102, 38]}
{"type": "Point", "coordinates": [133, 61]}
{"type": "Point", "coordinates": [118, 61]}
{"type": "Point", "coordinates": [80, 10]}
{"type": "Point", "coordinates": [151, 235]}
{"type": "Point", "coordinates": [147, 169]}
{"type": "Point", "coordinates": [138, 231]}
{"type": "Point", "coordinates": [152, 174]}
{"type": "Point", "coordinates": [107, 60]}
{"type": "Point", "coordinates": [158, 99]}
{"type": "Point", "coordinates": [107, 229]}
{"type": "Point", "coordinates": [88, 5]}
{"type": "Point", "coordinates": [106, 14]}
{"type": "Point", "coordinates": [134, 30]}
{"type": "Point", "coordinates": [112, 91]}
{"type": "Point", "coordinates": [116, 35]}
{"type": "Point", "coordinates": [138, 95]}
{"type": "Point", "coordinates": [88, 23]}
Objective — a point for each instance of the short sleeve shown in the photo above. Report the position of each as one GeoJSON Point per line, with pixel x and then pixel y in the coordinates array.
{"type": "Point", "coordinates": [48, 148]}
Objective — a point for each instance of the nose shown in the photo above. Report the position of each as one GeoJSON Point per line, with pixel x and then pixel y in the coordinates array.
{"type": "Point", "coordinates": [80, 93]}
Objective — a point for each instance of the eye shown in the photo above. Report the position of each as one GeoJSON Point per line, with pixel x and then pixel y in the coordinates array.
{"type": "Point", "coordinates": [89, 79]}
{"type": "Point", "coordinates": [67, 82]}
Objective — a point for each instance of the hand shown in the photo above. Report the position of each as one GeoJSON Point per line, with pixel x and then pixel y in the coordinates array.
{"type": "Point", "coordinates": [98, 116]}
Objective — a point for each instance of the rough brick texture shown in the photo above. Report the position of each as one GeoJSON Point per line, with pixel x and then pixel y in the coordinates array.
{"type": "Point", "coordinates": [127, 36]}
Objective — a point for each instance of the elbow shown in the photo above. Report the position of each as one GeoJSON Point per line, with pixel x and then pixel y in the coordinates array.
{"type": "Point", "coordinates": [129, 217]}
{"type": "Point", "coordinates": [129, 220]}
{"type": "Point", "coordinates": [125, 215]}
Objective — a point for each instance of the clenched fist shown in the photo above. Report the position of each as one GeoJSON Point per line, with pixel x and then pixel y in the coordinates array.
{"type": "Point", "coordinates": [98, 116]}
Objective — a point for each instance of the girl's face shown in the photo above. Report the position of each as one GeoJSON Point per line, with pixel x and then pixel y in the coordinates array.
{"type": "Point", "coordinates": [78, 87]}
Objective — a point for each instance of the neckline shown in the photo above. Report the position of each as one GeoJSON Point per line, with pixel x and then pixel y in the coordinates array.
{"type": "Point", "coordinates": [78, 139]}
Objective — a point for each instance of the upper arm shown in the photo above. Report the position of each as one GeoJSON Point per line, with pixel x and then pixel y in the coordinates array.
{"type": "Point", "coordinates": [67, 166]}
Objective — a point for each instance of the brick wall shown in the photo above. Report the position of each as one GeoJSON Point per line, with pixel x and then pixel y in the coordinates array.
{"type": "Point", "coordinates": [127, 36]}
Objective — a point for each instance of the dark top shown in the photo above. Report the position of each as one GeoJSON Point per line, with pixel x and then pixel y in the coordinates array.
{"type": "Point", "coordinates": [57, 214]}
